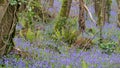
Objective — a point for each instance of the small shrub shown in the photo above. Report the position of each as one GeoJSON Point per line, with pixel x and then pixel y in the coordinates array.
{"type": "Point", "coordinates": [108, 47]}
{"type": "Point", "coordinates": [65, 31]}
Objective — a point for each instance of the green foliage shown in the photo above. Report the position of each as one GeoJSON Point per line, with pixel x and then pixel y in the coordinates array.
{"type": "Point", "coordinates": [68, 36]}
{"type": "Point", "coordinates": [21, 34]}
{"type": "Point", "coordinates": [69, 66]}
{"type": "Point", "coordinates": [26, 18]}
{"type": "Point", "coordinates": [84, 64]}
{"type": "Point", "coordinates": [30, 35]}
{"type": "Point", "coordinates": [64, 30]}
{"type": "Point", "coordinates": [39, 35]}
{"type": "Point", "coordinates": [108, 47]}
{"type": "Point", "coordinates": [60, 1]}
{"type": "Point", "coordinates": [53, 65]}
{"type": "Point", "coordinates": [32, 14]}
{"type": "Point", "coordinates": [117, 50]}
{"type": "Point", "coordinates": [87, 1]}
{"type": "Point", "coordinates": [91, 30]}
{"type": "Point", "coordinates": [13, 2]}
{"type": "Point", "coordinates": [60, 23]}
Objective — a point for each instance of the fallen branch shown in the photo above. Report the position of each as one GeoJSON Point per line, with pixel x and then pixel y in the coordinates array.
{"type": "Point", "coordinates": [90, 14]}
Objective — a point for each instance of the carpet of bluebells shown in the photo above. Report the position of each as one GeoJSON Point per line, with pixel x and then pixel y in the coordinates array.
{"type": "Point", "coordinates": [48, 58]}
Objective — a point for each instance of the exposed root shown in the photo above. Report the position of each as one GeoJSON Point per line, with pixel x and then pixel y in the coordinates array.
{"type": "Point", "coordinates": [19, 52]}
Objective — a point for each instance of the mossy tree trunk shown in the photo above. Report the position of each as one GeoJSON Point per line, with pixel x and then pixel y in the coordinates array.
{"type": "Point", "coordinates": [7, 26]}
{"type": "Point", "coordinates": [63, 15]}
{"type": "Point", "coordinates": [102, 9]}
{"type": "Point", "coordinates": [118, 3]}
{"type": "Point", "coordinates": [101, 18]}
{"type": "Point", "coordinates": [96, 6]}
{"type": "Point", "coordinates": [51, 3]}
{"type": "Point", "coordinates": [65, 8]}
{"type": "Point", "coordinates": [81, 16]}
{"type": "Point", "coordinates": [106, 10]}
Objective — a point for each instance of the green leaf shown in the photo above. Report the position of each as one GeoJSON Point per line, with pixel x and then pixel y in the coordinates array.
{"type": "Point", "coordinates": [30, 35]}
{"type": "Point", "coordinates": [69, 66]}
{"type": "Point", "coordinates": [84, 64]}
{"type": "Point", "coordinates": [21, 34]}
{"type": "Point", "coordinates": [39, 35]}
{"type": "Point", "coordinates": [23, 22]}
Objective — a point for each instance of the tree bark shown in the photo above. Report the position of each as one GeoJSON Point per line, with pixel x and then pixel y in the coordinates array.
{"type": "Point", "coordinates": [118, 3]}
{"type": "Point", "coordinates": [65, 8]}
{"type": "Point", "coordinates": [101, 18]}
{"type": "Point", "coordinates": [106, 8]}
{"type": "Point", "coordinates": [96, 5]}
{"type": "Point", "coordinates": [63, 15]}
{"type": "Point", "coordinates": [81, 16]}
{"type": "Point", "coordinates": [7, 27]}
{"type": "Point", "coordinates": [51, 3]}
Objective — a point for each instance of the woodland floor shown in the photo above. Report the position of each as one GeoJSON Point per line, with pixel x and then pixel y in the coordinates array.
{"type": "Point", "coordinates": [45, 57]}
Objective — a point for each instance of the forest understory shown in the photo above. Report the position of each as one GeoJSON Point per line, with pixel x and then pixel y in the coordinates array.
{"type": "Point", "coordinates": [65, 34]}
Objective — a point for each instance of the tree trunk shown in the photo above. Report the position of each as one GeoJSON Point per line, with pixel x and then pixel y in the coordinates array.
{"type": "Point", "coordinates": [106, 10]}
{"type": "Point", "coordinates": [81, 16]}
{"type": "Point", "coordinates": [65, 8]}
{"type": "Point", "coordinates": [101, 18]}
{"type": "Point", "coordinates": [118, 3]}
{"type": "Point", "coordinates": [96, 5]}
{"type": "Point", "coordinates": [63, 15]}
{"type": "Point", "coordinates": [51, 2]}
{"type": "Point", "coordinates": [7, 27]}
